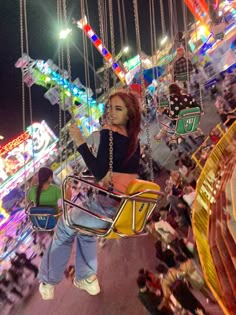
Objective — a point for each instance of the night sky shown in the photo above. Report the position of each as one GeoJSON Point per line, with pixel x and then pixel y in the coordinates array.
{"type": "Point", "coordinates": [43, 44]}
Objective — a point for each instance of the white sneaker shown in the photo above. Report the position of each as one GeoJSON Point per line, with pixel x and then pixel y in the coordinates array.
{"type": "Point", "coordinates": [46, 290]}
{"type": "Point", "coordinates": [92, 287]}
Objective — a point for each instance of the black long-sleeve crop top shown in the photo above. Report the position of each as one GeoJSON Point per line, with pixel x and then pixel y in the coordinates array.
{"type": "Point", "coordinates": [99, 165]}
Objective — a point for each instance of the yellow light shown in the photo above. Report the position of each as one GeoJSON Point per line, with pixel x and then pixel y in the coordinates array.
{"type": "Point", "coordinates": [202, 30]}
{"type": "Point", "coordinates": [126, 49]}
{"type": "Point", "coordinates": [164, 40]}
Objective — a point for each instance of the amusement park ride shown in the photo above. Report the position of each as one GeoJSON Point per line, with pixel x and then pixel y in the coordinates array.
{"type": "Point", "coordinates": [22, 156]}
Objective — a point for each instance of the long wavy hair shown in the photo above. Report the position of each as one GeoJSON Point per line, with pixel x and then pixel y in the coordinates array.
{"type": "Point", "coordinates": [43, 176]}
{"type": "Point", "coordinates": [134, 114]}
{"type": "Point", "coordinates": [176, 90]}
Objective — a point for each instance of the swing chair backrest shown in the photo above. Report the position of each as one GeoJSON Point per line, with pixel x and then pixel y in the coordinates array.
{"type": "Point", "coordinates": [188, 121]}
{"type": "Point", "coordinates": [181, 77]}
{"type": "Point", "coordinates": [218, 31]}
{"type": "Point", "coordinates": [163, 101]}
{"type": "Point", "coordinates": [43, 218]}
{"type": "Point", "coordinates": [129, 220]}
{"type": "Point", "coordinates": [135, 209]}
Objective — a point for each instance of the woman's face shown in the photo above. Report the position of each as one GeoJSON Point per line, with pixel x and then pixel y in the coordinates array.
{"type": "Point", "coordinates": [118, 111]}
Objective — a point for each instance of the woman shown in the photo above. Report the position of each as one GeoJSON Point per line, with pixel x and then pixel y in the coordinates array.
{"type": "Point", "coordinates": [45, 193]}
{"type": "Point", "coordinates": [178, 102]}
{"type": "Point", "coordinates": [173, 286]}
{"type": "Point", "coordinates": [125, 115]}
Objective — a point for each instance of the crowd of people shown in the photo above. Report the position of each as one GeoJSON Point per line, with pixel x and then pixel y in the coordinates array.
{"type": "Point", "coordinates": [168, 289]}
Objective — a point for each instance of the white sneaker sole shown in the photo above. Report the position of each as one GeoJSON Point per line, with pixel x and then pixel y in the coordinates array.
{"type": "Point", "coordinates": [89, 290]}
{"type": "Point", "coordinates": [46, 296]}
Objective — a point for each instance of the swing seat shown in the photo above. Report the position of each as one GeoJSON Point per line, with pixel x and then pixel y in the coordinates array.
{"type": "Point", "coordinates": [218, 30]}
{"type": "Point", "coordinates": [188, 121]}
{"type": "Point", "coordinates": [163, 102]}
{"type": "Point", "coordinates": [181, 77]}
{"type": "Point", "coordinates": [43, 218]}
{"type": "Point", "coordinates": [219, 36]}
{"type": "Point", "coordinates": [135, 207]}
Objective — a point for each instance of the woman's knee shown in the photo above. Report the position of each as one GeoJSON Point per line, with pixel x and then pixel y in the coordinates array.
{"type": "Point", "coordinates": [63, 233]}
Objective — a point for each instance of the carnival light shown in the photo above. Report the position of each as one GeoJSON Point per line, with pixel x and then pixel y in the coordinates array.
{"type": "Point", "coordinates": [19, 157]}
{"type": "Point", "coordinates": [126, 49]}
{"type": "Point", "coordinates": [82, 24]}
{"type": "Point", "coordinates": [164, 40]}
{"type": "Point", "coordinates": [74, 97]}
{"type": "Point", "coordinates": [199, 9]}
{"type": "Point", "coordinates": [64, 33]}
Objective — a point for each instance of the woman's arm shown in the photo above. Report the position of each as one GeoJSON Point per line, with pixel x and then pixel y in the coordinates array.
{"type": "Point", "coordinates": [98, 165]}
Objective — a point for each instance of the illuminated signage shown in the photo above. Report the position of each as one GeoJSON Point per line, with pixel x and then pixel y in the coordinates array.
{"type": "Point", "coordinates": [14, 143]}
{"type": "Point", "coordinates": [19, 156]}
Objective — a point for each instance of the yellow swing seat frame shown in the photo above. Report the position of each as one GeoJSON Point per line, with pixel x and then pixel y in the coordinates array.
{"type": "Point", "coordinates": [130, 218]}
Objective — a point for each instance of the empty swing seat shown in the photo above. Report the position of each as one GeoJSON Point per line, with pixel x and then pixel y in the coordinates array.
{"type": "Point", "coordinates": [130, 218]}
{"type": "Point", "coordinates": [181, 77]}
{"type": "Point", "coordinates": [43, 218]}
{"type": "Point", "coordinates": [163, 101]}
{"type": "Point", "coordinates": [218, 30]}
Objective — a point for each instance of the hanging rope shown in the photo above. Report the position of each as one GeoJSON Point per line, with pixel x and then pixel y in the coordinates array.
{"type": "Point", "coordinates": [29, 88]}
{"type": "Point", "coordinates": [176, 26]}
{"type": "Point", "coordinates": [120, 25]}
{"type": "Point", "coordinates": [22, 83]}
{"type": "Point", "coordinates": [163, 26]}
{"type": "Point", "coordinates": [106, 87]}
{"type": "Point", "coordinates": [112, 36]}
{"type": "Point", "coordinates": [146, 106]}
{"type": "Point", "coordinates": [184, 8]}
{"type": "Point", "coordinates": [170, 5]}
{"type": "Point", "coordinates": [125, 24]}
{"type": "Point", "coordinates": [153, 37]}
{"type": "Point", "coordinates": [60, 58]}
{"type": "Point", "coordinates": [86, 62]}
{"type": "Point", "coordinates": [92, 66]}
{"type": "Point", "coordinates": [151, 32]}
{"type": "Point", "coordinates": [22, 52]}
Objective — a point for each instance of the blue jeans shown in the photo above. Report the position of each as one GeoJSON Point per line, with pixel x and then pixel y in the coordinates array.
{"type": "Point", "coordinates": [57, 255]}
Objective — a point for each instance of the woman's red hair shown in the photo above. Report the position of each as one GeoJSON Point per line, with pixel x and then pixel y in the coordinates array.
{"type": "Point", "coordinates": [134, 123]}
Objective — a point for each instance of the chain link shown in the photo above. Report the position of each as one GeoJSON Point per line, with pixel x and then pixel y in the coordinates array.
{"type": "Point", "coordinates": [112, 37]}
{"type": "Point", "coordinates": [60, 62]}
{"type": "Point", "coordinates": [106, 87]}
{"type": "Point", "coordinates": [22, 85]}
{"type": "Point", "coordinates": [144, 104]}
{"type": "Point", "coordinates": [163, 26]}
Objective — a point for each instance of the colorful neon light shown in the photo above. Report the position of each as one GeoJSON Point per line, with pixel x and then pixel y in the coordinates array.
{"type": "Point", "coordinates": [14, 143]}
{"type": "Point", "coordinates": [17, 163]}
{"type": "Point", "coordinates": [198, 8]}
{"type": "Point", "coordinates": [82, 24]}
{"type": "Point", "coordinates": [74, 97]}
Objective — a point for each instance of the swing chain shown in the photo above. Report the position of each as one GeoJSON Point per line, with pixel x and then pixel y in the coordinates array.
{"type": "Point", "coordinates": [163, 27]}
{"type": "Point", "coordinates": [106, 88]}
{"type": "Point", "coordinates": [184, 8]}
{"type": "Point", "coordinates": [145, 104]}
{"type": "Point", "coordinates": [112, 37]}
